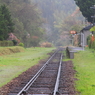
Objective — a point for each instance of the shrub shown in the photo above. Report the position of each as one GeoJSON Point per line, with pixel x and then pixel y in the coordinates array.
{"type": "Point", "coordinates": [6, 43]}
{"type": "Point", "coordinates": [93, 45]}
{"type": "Point", "coordinates": [10, 43]}
{"type": "Point", "coordinates": [21, 44]}
{"type": "Point", "coordinates": [46, 44]}
{"type": "Point", "coordinates": [15, 42]}
{"type": "Point", "coordinates": [91, 42]}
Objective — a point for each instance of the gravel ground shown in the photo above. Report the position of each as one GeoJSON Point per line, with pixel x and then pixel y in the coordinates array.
{"type": "Point", "coordinates": [25, 75]}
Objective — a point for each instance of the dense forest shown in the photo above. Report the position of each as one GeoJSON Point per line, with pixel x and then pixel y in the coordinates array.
{"type": "Point", "coordinates": [61, 17]}
{"type": "Point", "coordinates": [35, 21]}
{"type": "Point", "coordinates": [27, 21]}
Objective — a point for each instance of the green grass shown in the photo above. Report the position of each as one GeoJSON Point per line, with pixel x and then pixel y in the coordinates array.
{"type": "Point", "coordinates": [13, 65]}
{"type": "Point", "coordinates": [84, 64]}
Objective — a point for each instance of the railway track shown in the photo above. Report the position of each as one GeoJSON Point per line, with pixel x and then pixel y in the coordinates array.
{"type": "Point", "coordinates": [49, 80]}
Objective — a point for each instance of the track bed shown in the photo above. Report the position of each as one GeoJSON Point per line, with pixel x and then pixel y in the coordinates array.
{"type": "Point", "coordinates": [45, 83]}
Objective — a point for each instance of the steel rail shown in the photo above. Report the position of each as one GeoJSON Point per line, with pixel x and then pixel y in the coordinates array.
{"type": "Point", "coordinates": [58, 77]}
{"type": "Point", "coordinates": [27, 86]}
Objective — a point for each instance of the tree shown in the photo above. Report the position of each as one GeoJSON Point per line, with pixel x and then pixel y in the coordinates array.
{"type": "Point", "coordinates": [27, 19]}
{"type": "Point", "coordinates": [85, 8]}
{"type": "Point", "coordinates": [3, 27]}
{"type": "Point", "coordinates": [6, 24]}
{"type": "Point", "coordinates": [58, 17]}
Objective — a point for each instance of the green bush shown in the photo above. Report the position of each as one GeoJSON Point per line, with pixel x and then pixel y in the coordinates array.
{"type": "Point", "coordinates": [21, 44]}
{"type": "Point", "coordinates": [93, 45]}
{"type": "Point", "coordinates": [90, 43]}
{"type": "Point", "coordinates": [6, 43]}
{"type": "Point", "coordinates": [14, 42]}
{"type": "Point", "coordinates": [10, 43]}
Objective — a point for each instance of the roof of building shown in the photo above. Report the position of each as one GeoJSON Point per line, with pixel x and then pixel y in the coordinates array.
{"type": "Point", "coordinates": [88, 27]}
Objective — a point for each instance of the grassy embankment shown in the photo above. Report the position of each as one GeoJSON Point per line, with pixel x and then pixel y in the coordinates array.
{"type": "Point", "coordinates": [14, 64]}
{"type": "Point", "coordinates": [84, 64]}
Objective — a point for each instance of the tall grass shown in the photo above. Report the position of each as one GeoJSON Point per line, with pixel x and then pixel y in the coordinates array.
{"type": "Point", "coordinates": [13, 65]}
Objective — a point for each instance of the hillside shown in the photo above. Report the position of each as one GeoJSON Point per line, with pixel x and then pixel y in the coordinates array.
{"type": "Point", "coordinates": [38, 21]}
{"type": "Point", "coordinates": [59, 19]}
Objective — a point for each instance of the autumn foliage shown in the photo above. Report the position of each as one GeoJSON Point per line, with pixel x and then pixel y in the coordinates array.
{"type": "Point", "coordinates": [46, 44]}
{"type": "Point", "coordinates": [92, 38]}
{"type": "Point", "coordinates": [91, 42]}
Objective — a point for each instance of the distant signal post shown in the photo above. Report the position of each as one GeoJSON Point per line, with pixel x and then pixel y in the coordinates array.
{"type": "Point", "coordinates": [73, 32]}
